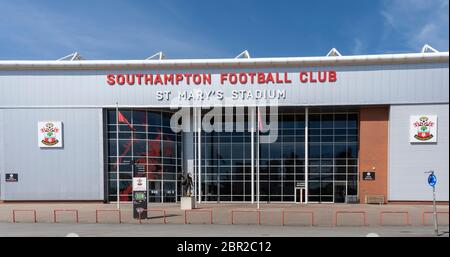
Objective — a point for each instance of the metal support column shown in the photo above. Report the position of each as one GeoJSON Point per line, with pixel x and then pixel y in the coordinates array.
{"type": "Point", "coordinates": [306, 153]}
{"type": "Point", "coordinates": [199, 136]}
{"type": "Point", "coordinates": [252, 113]}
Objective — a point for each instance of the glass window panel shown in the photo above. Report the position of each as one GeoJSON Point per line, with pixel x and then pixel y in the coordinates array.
{"type": "Point", "coordinates": [327, 151]}
{"type": "Point", "coordinates": [352, 188]}
{"type": "Point", "coordinates": [352, 169]}
{"type": "Point", "coordinates": [237, 151]}
{"type": "Point", "coordinates": [140, 117]}
{"type": "Point", "coordinates": [112, 128]}
{"type": "Point", "coordinates": [125, 135]}
{"type": "Point", "coordinates": [324, 198]}
{"type": "Point", "coordinates": [237, 188]}
{"type": "Point", "coordinates": [327, 121]}
{"type": "Point", "coordinates": [154, 118]}
{"type": "Point", "coordinates": [154, 148]}
{"type": "Point", "coordinates": [154, 130]}
{"type": "Point", "coordinates": [112, 147]}
{"type": "Point", "coordinates": [139, 147]}
{"type": "Point", "coordinates": [352, 162]}
{"type": "Point", "coordinates": [237, 198]}
{"type": "Point", "coordinates": [326, 169]}
{"type": "Point", "coordinates": [340, 120]}
{"type": "Point", "coordinates": [300, 121]}
{"type": "Point", "coordinates": [314, 176]}
{"type": "Point", "coordinates": [142, 136]}
{"type": "Point", "coordinates": [313, 198]}
{"type": "Point", "coordinates": [340, 177]}
{"type": "Point", "coordinates": [340, 151]}
{"type": "Point", "coordinates": [169, 149]}
{"type": "Point", "coordinates": [289, 132]}
{"type": "Point", "coordinates": [264, 188]}
{"type": "Point", "coordinates": [326, 177]}
{"type": "Point", "coordinates": [288, 121]}
{"type": "Point", "coordinates": [352, 120]}
{"type": "Point", "coordinates": [111, 117]}
{"type": "Point", "coordinates": [225, 188]}
{"type": "Point", "coordinates": [154, 188]}
{"type": "Point", "coordinates": [352, 151]}
{"type": "Point", "coordinates": [275, 188]}
{"type": "Point", "coordinates": [275, 151]}
{"type": "Point", "coordinates": [288, 150]}
{"type": "Point", "coordinates": [327, 138]}
{"type": "Point", "coordinates": [169, 189]}
{"type": "Point", "coordinates": [314, 132]}
{"type": "Point", "coordinates": [314, 188]}
{"type": "Point", "coordinates": [341, 169]}
{"type": "Point", "coordinates": [352, 139]}
{"type": "Point", "coordinates": [314, 121]}
{"type": "Point", "coordinates": [125, 147]}
{"type": "Point", "coordinates": [314, 169]}
{"type": "Point", "coordinates": [166, 119]}
{"type": "Point", "coordinates": [288, 188]}
{"type": "Point", "coordinates": [211, 188]}
{"type": "Point", "coordinates": [326, 188]}
{"type": "Point", "coordinates": [325, 162]}
{"type": "Point", "coordinates": [314, 151]}
{"type": "Point", "coordinates": [300, 177]}
{"type": "Point", "coordinates": [353, 178]}
{"type": "Point", "coordinates": [352, 132]}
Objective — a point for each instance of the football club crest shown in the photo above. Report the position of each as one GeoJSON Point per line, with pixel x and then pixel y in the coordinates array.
{"type": "Point", "coordinates": [50, 134]}
{"type": "Point", "coordinates": [423, 128]}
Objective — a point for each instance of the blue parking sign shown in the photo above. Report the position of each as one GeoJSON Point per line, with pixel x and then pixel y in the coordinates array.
{"type": "Point", "coordinates": [432, 180]}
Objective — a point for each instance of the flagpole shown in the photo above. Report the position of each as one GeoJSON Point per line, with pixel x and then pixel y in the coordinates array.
{"type": "Point", "coordinates": [117, 153]}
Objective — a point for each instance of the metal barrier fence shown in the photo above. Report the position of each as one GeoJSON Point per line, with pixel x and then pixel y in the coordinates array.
{"type": "Point", "coordinates": [296, 211]}
{"type": "Point", "coordinates": [335, 220]}
{"type": "Point", "coordinates": [406, 215]}
{"type": "Point", "coordinates": [284, 213]}
{"type": "Point", "coordinates": [257, 211]}
{"type": "Point", "coordinates": [207, 211]}
{"type": "Point", "coordinates": [25, 210]}
{"type": "Point", "coordinates": [430, 212]}
{"type": "Point", "coordinates": [64, 210]}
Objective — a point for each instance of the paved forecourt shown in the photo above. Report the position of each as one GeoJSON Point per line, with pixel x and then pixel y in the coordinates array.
{"type": "Point", "coordinates": [277, 214]}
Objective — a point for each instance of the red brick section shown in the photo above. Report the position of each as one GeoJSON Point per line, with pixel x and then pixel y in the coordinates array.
{"type": "Point", "coordinates": [373, 150]}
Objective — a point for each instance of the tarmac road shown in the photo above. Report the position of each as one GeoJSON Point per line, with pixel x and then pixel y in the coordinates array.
{"type": "Point", "coordinates": [177, 230]}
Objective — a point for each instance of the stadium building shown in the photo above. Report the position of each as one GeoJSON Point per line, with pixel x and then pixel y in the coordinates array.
{"type": "Point", "coordinates": [329, 129]}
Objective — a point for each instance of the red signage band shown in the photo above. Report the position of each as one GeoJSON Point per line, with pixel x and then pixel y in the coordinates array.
{"type": "Point", "coordinates": [231, 78]}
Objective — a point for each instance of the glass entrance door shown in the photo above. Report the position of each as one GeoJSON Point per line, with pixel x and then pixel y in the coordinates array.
{"type": "Point", "coordinates": [300, 196]}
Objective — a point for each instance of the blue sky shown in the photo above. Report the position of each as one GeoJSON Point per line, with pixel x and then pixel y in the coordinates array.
{"type": "Point", "coordinates": [136, 29]}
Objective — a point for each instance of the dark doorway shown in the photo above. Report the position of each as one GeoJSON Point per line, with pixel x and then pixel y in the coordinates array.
{"type": "Point", "coordinates": [339, 192]}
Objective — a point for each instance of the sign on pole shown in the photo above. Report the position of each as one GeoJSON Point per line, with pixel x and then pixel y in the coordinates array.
{"type": "Point", "coordinates": [432, 180]}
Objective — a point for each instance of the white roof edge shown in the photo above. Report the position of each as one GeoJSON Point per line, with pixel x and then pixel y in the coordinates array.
{"type": "Point", "coordinates": [180, 63]}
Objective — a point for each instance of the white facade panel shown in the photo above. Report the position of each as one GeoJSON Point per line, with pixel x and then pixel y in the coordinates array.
{"type": "Point", "coordinates": [72, 172]}
{"type": "Point", "coordinates": [408, 161]}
